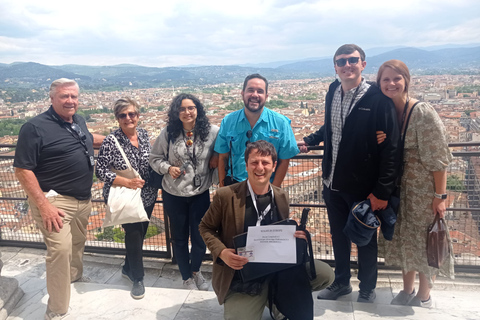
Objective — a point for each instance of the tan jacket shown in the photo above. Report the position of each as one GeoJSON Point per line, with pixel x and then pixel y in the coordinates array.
{"type": "Point", "coordinates": [225, 219]}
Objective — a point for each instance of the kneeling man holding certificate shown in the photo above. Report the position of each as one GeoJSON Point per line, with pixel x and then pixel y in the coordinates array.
{"type": "Point", "coordinates": [254, 203]}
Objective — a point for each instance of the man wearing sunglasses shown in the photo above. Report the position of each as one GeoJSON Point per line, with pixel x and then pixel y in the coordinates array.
{"type": "Point", "coordinates": [355, 167]}
{"type": "Point", "coordinates": [253, 123]}
{"type": "Point", "coordinates": [54, 164]}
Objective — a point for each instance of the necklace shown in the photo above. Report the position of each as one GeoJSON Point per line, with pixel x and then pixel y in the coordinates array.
{"type": "Point", "coordinates": [189, 141]}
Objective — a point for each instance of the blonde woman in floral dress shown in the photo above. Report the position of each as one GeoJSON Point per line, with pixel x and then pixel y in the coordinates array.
{"type": "Point", "coordinates": [423, 188]}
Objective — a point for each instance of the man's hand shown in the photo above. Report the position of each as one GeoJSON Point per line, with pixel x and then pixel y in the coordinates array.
{"type": "Point", "coordinates": [51, 217]}
{"type": "Point", "coordinates": [300, 235]}
{"type": "Point", "coordinates": [232, 259]}
{"type": "Point", "coordinates": [302, 146]}
{"type": "Point", "coordinates": [376, 203]}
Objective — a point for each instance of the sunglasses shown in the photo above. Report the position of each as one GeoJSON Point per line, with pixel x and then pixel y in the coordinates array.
{"type": "Point", "coordinates": [75, 127]}
{"type": "Point", "coordinates": [343, 61]}
{"type": "Point", "coordinates": [189, 109]}
{"type": "Point", "coordinates": [131, 115]}
{"type": "Point", "coordinates": [249, 136]}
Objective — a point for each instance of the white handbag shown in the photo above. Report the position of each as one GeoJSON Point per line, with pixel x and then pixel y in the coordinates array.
{"type": "Point", "coordinates": [124, 205]}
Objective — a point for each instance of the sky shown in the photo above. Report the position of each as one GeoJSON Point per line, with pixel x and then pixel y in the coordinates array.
{"type": "Point", "coordinates": [223, 32]}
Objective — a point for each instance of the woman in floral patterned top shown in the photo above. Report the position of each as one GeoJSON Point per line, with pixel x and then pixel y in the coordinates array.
{"type": "Point", "coordinates": [136, 145]}
{"type": "Point", "coordinates": [423, 188]}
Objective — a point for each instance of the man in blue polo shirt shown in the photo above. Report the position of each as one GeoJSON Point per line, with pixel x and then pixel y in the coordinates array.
{"type": "Point", "coordinates": [252, 123]}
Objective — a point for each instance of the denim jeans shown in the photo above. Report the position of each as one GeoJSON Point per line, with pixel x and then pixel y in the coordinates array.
{"type": "Point", "coordinates": [185, 214]}
{"type": "Point", "coordinates": [338, 208]}
{"type": "Point", "coordinates": [134, 235]}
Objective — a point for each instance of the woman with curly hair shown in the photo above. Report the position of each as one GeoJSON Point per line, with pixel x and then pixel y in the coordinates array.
{"type": "Point", "coordinates": [183, 153]}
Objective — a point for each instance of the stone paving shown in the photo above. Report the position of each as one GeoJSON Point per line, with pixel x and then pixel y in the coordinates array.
{"type": "Point", "coordinates": [108, 295]}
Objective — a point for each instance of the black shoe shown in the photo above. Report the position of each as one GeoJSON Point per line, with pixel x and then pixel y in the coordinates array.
{"type": "Point", "coordinates": [127, 275]}
{"type": "Point", "coordinates": [138, 290]}
{"type": "Point", "coordinates": [334, 291]}
{"type": "Point", "coordinates": [367, 296]}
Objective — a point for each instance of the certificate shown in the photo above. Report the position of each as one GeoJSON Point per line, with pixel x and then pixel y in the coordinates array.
{"type": "Point", "coordinates": [271, 244]}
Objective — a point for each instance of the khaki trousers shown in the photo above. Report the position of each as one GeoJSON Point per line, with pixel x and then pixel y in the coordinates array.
{"type": "Point", "coordinates": [241, 306]}
{"type": "Point", "coordinates": [64, 248]}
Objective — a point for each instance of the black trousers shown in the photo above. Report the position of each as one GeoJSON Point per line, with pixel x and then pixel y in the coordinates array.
{"type": "Point", "coordinates": [134, 235]}
{"type": "Point", "coordinates": [338, 208]}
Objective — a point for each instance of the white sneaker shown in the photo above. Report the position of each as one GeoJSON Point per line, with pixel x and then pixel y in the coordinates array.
{"type": "Point", "coordinates": [200, 281]}
{"type": "Point", "coordinates": [189, 284]}
{"type": "Point", "coordinates": [416, 302]}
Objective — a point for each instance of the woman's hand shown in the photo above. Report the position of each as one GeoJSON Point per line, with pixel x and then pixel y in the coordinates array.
{"type": "Point", "coordinates": [213, 163]}
{"type": "Point", "coordinates": [381, 136]}
{"type": "Point", "coordinates": [135, 183]}
{"type": "Point", "coordinates": [174, 172]}
{"type": "Point", "coordinates": [439, 207]}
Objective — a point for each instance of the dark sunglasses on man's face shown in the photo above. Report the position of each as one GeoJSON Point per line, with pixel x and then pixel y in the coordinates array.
{"type": "Point", "coordinates": [131, 115]}
{"type": "Point", "coordinates": [343, 61]}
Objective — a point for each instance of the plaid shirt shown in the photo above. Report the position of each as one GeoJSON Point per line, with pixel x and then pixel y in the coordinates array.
{"type": "Point", "coordinates": [341, 107]}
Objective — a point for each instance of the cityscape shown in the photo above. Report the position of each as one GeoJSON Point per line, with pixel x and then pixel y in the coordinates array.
{"type": "Point", "coordinates": [455, 98]}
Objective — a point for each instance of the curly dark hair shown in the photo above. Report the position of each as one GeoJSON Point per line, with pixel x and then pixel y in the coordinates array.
{"type": "Point", "coordinates": [174, 124]}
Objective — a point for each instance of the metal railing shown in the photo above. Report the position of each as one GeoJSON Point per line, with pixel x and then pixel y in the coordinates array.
{"type": "Point", "coordinates": [303, 183]}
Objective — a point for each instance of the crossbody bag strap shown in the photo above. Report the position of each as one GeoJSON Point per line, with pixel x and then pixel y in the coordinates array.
{"type": "Point", "coordinates": [402, 143]}
{"type": "Point", "coordinates": [125, 157]}
{"type": "Point", "coordinates": [406, 124]}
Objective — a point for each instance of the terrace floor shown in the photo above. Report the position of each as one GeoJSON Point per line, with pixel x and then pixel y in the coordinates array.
{"type": "Point", "coordinates": [108, 295]}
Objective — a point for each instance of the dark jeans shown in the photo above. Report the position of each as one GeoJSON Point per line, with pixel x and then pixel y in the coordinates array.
{"type": "Point", "coordinates": [134, 235]}
{"type": "Point", "coordinates": [185, 214]}
{"type": "Point", "coordinates": [338, 208]}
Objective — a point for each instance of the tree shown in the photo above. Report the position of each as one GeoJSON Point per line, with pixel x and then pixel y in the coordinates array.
{"type": "Point", "coordinates": [455, 184]}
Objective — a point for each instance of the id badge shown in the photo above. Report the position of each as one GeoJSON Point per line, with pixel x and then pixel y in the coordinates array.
{"type": "Point", "coordinates": [92, 161]}
{"type": "Point", "coordinates": [197, 181]}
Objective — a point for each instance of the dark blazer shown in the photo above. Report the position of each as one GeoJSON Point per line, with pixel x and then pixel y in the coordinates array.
{"type": "Point", "coordinates": [225, 219]}
{"type": "Point", "coordinates": [363, 166]}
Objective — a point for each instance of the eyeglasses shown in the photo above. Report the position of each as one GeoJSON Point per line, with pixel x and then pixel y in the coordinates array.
{"type": "Point", "coordinates": [185, 109]}
{"type": "Point", "coordinates": [343, 61]}
{"type": "Point", "coordinates": [249, 136]}
{"type": "Point", "coordinates": [75, 127]}
{"type": "Point", "coordinates": [131, 115]}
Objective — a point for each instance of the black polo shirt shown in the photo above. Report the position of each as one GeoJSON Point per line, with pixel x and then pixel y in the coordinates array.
{"type": "Point", "coordinates": [56, 155]}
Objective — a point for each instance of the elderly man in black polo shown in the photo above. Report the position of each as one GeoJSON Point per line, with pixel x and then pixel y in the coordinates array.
{"type": "Point", "coordinates": [54, 163]}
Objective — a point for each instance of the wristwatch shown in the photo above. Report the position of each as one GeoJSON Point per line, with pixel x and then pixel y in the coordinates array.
{"type": "Point", "coordinates": [440, 196]}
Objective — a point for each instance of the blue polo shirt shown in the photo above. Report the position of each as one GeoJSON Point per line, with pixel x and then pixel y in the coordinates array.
{"type": "Point", "coordinates": [271, 126]}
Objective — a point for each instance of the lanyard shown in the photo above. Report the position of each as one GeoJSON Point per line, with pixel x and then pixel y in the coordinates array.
{"type": "Point", "coordinates": [260, 216]}
{"type": "Point", "coordinates": [75, 135]}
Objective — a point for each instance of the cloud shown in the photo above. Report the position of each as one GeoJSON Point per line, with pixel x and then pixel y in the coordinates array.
{"type": "Point", "coordinates": [180, 32]}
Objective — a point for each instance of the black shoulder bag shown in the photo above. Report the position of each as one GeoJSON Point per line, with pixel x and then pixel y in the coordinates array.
{"type": "Point", "coordinates": [290, 289]}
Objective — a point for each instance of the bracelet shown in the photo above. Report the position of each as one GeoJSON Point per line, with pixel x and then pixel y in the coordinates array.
{"type": "Point", "coordinates": [442, 196]}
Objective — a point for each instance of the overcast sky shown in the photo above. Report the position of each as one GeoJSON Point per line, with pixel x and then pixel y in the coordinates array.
{"type": "Point", "coordinates": [222, 32]}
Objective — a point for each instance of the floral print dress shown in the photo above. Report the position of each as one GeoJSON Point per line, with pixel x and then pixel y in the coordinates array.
{"type": "Point", "coordinates": [426, 150]}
